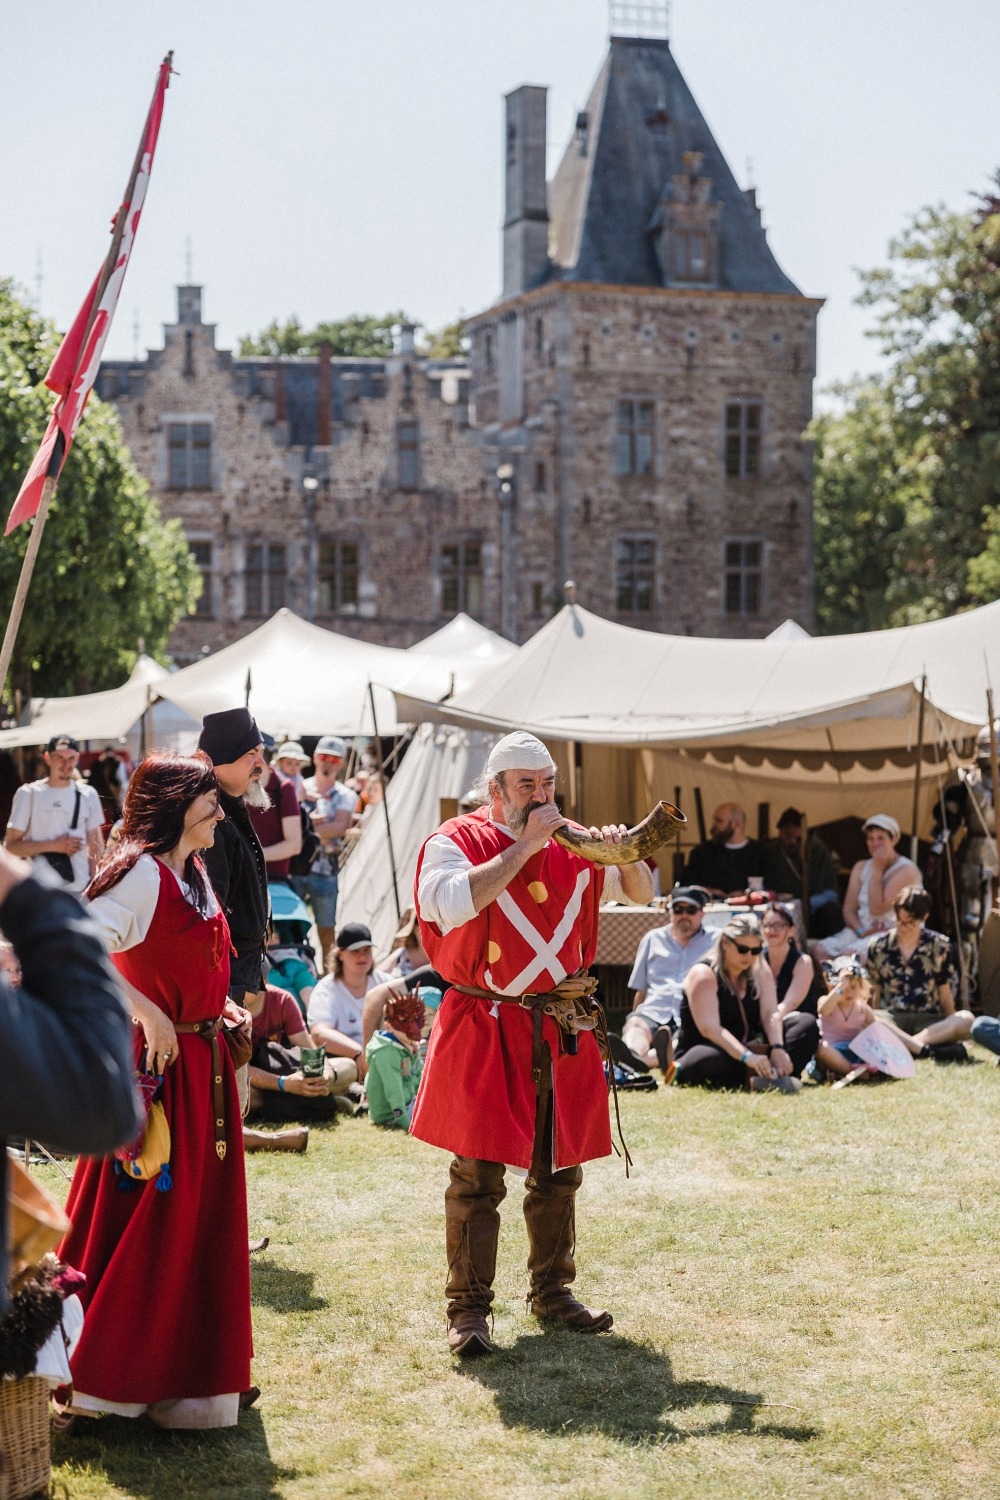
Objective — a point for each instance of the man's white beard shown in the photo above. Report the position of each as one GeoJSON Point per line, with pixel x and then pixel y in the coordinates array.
{"type": "Point", "coordinates": [516, 818]}
{"type": "Point", "coordinates": [256, 795]}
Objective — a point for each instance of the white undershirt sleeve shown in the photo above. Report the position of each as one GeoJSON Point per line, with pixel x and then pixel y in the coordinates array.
{"type": "Point", "coordinates": [444, 896]}
{"type": "Point", "coordinates": [125, 912]}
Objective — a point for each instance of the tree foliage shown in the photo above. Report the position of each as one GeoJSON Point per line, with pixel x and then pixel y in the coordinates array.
{"type": "Point", "coordinates": [109, 571]}
{"type": "Point", "coordinates": [360, 336]}
{"type": "Point", "coordinates": [907, 512]}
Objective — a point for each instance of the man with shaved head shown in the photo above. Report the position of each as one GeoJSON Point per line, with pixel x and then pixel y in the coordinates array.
{"type": "Point", "coordinates": [726, 861]}
{"type": "Point", "coordinates": [509, 917]}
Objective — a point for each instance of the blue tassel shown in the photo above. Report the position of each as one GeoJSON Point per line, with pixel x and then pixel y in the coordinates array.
{"type": "Point", "coordinates": [164, 1182]}
{"type": "Point", "coordinates": [123, 1184]}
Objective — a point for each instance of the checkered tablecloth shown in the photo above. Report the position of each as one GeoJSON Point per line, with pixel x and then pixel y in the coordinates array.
{"type": "Point", "coordinates": [622, 927]}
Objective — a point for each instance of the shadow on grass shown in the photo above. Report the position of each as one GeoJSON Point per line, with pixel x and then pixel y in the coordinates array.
{"type": "Point", "coordinates": [283, 1289]}
{"type": "Point", "coordinates": [561, 1382]}
{"type": "Point", "coordinates": [154, 1465]}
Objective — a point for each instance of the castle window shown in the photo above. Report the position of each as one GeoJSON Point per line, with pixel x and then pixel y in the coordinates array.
{"type": "Point", "coordinates": [189, 451]}
{"type": "Point", "coordinates": [635, 570]}
{"type": "Point", "coordinates": [202, 554]}
{"type": "Point", "coordinates": [407, 455]}
{"type": "Point", "coordinates": [540, 476]}
{"type": "Point", "coordinates": [539, 338]}
{"type": "Point", "coordinates": [537, 596]}
{"type": "Point", "coordinates": [337, 577]}
{"type": "Point", "coordinates": [488, 351]}
{"type": "Point", "coordinates": [743, 424]}
{"type": "Point", "coordinates": [691, 255]}
{"type": "Point", "coordinates": [743, 578]}
{"type": "Point", "coordinates": [462, 578]}
{"type": "Point", "coordinates": [634, 422]}
{"type": "Point", "coordinates": [264, 578]}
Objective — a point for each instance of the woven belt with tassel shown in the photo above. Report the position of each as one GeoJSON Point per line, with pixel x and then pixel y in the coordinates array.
{"type": "Point", "coordinates": [210, 1031]}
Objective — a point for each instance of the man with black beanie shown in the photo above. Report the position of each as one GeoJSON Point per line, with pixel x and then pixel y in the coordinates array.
{"type": "Point", "coordinates": [235, 862]}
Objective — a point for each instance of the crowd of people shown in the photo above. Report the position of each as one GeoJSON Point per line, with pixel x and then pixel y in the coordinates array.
{"type": "Point", "coordinates": [204, 882]}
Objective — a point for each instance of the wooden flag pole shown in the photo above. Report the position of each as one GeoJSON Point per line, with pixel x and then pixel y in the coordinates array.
{"type": "Point", "coordinates": [915, 817]}
{"type": "Point", "coordinates": [51, 480]}
{"type": "Point", "coordinates": [385, 804]}
{"type": "Point", "coordinates": [24, 582]}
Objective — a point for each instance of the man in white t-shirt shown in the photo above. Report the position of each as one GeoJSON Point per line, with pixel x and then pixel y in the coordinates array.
{"type": "Point", "coordinates": [336, 1004]}
{"type": "Point", "coordinates": [58, 820]}
{"type": "Point", "coordinates": [331, 807]}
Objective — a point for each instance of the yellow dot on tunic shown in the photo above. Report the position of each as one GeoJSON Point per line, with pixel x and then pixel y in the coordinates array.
{"type": "Point", "coordinates": [493, 952]}
{"type": "Point", "coordinates": [538, 892]}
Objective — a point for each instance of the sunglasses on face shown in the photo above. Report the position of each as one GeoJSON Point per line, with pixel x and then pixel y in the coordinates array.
{"type": "Point", "coordinates": [745, 948]}
{"type": "Point", "coordinates": [685, 911]}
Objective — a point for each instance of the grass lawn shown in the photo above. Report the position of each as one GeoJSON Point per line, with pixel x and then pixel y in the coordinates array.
{"type": "Point", "coordinates": [805, 1293]}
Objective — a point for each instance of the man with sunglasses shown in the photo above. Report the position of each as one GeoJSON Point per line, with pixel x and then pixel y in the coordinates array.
{"type": "Point", "coordinates": [661, 965]}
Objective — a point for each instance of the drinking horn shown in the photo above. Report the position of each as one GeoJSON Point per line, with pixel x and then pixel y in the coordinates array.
{"type": "Point", "coordinates": [644, 839]}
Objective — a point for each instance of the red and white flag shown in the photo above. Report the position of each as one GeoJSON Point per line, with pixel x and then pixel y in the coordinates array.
{"type": "Point", "coordinates": [74, 369]}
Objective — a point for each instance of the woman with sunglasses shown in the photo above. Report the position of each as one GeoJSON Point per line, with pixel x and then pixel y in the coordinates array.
{"type": "Point", "coordinates": [795, 978]}
{"type": "Point", "coordinates": [731, 1035]}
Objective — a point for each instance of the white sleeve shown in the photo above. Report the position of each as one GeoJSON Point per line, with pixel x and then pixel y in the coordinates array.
{"type": "Point", "coordinates": [638, 979]}
{"type": "Point", "coordinates": [444, 896]}
{"type": "Point", "coordinates": [20, 813]}
{"type": "Point", "coordinates": [321, 1003]}
{"type": "Point", "coordinates": [125, 912]}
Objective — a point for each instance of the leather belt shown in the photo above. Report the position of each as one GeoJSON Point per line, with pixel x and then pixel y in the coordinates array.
{"type": "Point", "coordinates": [210, 1031]}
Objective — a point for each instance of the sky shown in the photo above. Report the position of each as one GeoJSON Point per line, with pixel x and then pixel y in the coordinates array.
{"type": "Point", "coordinates": [321, 157]}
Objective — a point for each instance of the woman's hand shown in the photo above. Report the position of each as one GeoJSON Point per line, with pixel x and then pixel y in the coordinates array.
{"type": "Point", "coordinates": [780, 1062]}
{"type": "Point", "coordinates": [759, 1063]}
{"type": "Point", "coordinates": [307, 1088]}
{"type": "Point", "coordinates": [161, 1040]}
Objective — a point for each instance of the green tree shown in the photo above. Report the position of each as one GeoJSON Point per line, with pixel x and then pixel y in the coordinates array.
{"type": "Point", "coordinates": [907, 517]}
{"type": "Point", "coordinates": [109, 569]}
{"type": "Point", "coordinates": [449, 342]}
{"type": "Point", "coordinates": [358, 336]}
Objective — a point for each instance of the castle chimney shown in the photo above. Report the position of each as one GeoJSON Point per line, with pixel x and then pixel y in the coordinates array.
{"type": "Point", "coordinates": [189, 304]}
{"type": "Point", "coordinates": [526, 220]}
{"type": "Point", "coordinates": [279, 393]}
{"type": "Point", "coordinates": [324, 394]}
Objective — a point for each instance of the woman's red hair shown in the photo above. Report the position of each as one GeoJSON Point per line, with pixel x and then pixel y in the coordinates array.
{"type": "Point", "coordinates": [162, 789]}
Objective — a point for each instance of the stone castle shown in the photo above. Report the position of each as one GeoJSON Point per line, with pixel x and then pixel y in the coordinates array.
{"type": "Point", "coordinates": [631, 414]}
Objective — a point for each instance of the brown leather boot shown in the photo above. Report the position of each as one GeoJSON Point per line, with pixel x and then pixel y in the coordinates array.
{"type": "Point", "coordinates": [472, 1228]}
{"type": "Point", "coordinates": [550, 1216]}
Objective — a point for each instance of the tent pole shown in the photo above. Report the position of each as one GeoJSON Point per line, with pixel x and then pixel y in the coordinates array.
{"type": "Point", "coordinates": [805, 873]}
{"type": "Point", "coordinates": [385, 805]}
{"type": "Point", "coordinates": [700, 812]}
{"type": "Point", "coordinates": [915, 819]}
{"type": "Point", "coordinates": [955, 916]}
{"type": "Point", "coordinates": [995, 777]}
{"type": "Point", "coordinates": [678, 854]}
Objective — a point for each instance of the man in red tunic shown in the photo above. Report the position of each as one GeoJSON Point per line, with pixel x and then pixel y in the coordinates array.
{"type": "Point", "coordinates": [505, 911]}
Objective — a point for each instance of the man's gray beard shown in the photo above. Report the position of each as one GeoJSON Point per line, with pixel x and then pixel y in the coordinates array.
{"type": "Point", "coordinates": [516, 818]}
{"type": "Point", "coordinates": [256, 795]}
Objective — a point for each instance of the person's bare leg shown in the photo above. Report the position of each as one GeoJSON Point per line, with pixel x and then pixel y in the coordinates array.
{"type": "Point", "coordinates": [910, 1042]}
{"type": "Point", "coordinates": [832, 1060]}
{"type": "Point", "coordinates": [953, 1028]}
{"type": "Point", "coordinates": [638, 1037]}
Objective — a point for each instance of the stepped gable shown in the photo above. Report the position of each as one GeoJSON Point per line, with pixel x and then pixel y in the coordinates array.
{"type": "Point", "coordinates": [605, 200]}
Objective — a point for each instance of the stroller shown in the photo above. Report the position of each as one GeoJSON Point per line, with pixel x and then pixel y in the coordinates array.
{"type": "Point", "coordinates": [291, 956]}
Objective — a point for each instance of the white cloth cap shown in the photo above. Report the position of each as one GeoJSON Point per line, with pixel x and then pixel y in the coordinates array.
{"type": "Point", "coordinates": [886, 822]}
{"type": "Point", "coordinates": [519, 751]}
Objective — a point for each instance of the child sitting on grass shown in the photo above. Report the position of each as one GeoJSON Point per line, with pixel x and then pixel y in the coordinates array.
{"type": "Point", "coordinates": [394, 1063]}
{"type": "Point", "coordinates": [842, 1014]}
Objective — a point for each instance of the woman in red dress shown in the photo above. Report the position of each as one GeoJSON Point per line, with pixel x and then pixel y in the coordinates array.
{"type": "Point", "coordinates": [167, 1328]}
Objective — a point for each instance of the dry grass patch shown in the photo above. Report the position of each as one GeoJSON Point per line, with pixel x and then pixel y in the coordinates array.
{"type": "Point", "coordinates": [805, 1294]}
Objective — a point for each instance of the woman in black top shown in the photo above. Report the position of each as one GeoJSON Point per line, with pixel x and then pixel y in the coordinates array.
{"type": "Point", "coordinates": [731, 1035]}
{"type": "Point", "coordinates": [796, 980]}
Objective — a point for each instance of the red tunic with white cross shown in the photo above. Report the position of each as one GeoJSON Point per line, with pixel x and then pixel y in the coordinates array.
{"type": "Point", "coordinates": [477, 1095]}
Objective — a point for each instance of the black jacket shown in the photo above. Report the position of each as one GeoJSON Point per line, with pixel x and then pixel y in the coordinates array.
{"type": "Point", "coordinates": [236, 868]}
{"type": "Point", "coordinates": [65, 1038]}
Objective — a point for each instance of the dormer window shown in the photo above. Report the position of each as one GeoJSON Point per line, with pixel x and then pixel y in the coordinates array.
{"type": "Point", "coordinates": [686, 228]}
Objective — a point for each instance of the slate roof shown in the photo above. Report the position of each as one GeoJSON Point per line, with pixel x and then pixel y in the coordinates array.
{"type": "Point", "coordinates": [642, 118]}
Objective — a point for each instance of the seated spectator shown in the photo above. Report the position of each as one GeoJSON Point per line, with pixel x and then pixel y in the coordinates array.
{"type": "Point", "coordinates": [335, 1005]}
{"type": "Point", "coordinates": [797, 980]}
{"type": "Point", "coordinates": [395, 1064]}
{"type": "Point", "coordinates": [874, 885]}
{"type": "Point", "coordinates": [727, 861]}
{"type": "Point", "coordinates": [730, 1033]}
{"type": "Point", "coordinates": [278, 826]}
{"type": "Point", "coordinates": [279, 1090]}
{"type": "Point", "coordinates": [843, 1012]}
{"type": "Point", "coordinates": [665, 955]}
{"type": "Point", "coordinates": [986, 1031]}
{"type": "Point", "coordinates": [825, 916]}
{"type": "Point", "coordinates": [425, 982]}
{"type": "Point", "coordinates": [407, 949]}
{"type": "Point", "coordinates": [915, 979]}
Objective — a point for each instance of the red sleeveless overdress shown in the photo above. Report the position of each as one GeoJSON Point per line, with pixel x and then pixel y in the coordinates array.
{"type": "Point", "coordinates": [168, 1277]}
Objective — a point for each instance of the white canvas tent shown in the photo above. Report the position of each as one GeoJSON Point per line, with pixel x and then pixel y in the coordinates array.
{"type": "Point", "coordinates": [306, 680]}
{"type": "Point", "coordinates": [827, 723]}
{"type": "Point", "coordinates": [112, 717]}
